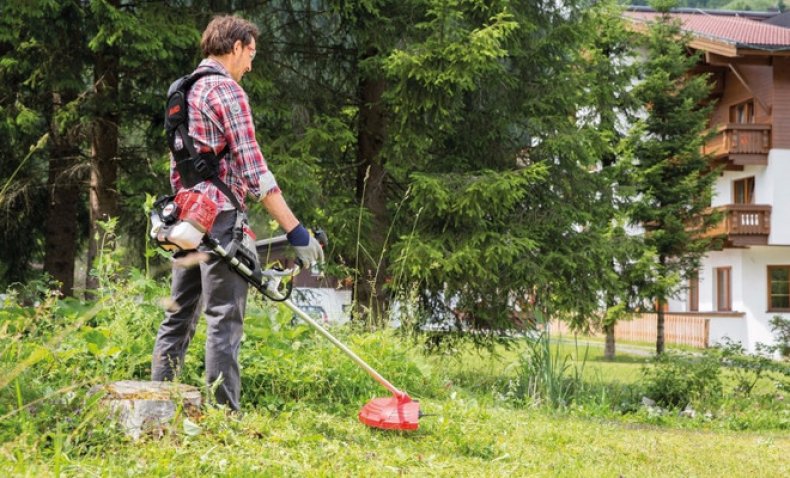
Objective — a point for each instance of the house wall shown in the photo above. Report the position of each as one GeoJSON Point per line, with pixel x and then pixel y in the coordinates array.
{"type": "Point", "coordinates": [770, 84]}
{"type": "Point", "coordinates": [770, 187]}
{"type": "Point", "coordinates": [781, 103]}
{"type": "Point", "coordinates": [749, 292]}
{"type": "Point", "coordinates": [760, 80]}
{"type": "Point", "coordinates": [777, 194]}
{"type": "Point", "coordinates": [727, 328]}
{"type": "Point", "coordinates": [749, 288]}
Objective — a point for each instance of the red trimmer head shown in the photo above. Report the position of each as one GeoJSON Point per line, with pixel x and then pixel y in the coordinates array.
{"type": "Point", "coordinates": [391, 413]}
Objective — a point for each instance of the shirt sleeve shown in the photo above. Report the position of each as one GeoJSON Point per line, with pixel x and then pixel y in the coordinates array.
{"type": "Point", "coordinates": [175, 178]}
{"type": "Point", "coordinates": [230, 103]}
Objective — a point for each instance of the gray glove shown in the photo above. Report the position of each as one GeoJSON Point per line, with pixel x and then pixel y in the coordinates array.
{"type": "Point", "coordinates": [310, 254]}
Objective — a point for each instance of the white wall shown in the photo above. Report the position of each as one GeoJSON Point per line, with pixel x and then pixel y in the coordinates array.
{"type": "Point", "coordinates": [755, 276]}
{"type": "Point", "coordinates": [771, 187]}
{"type": "Point", "coordinates": [679, 303]}
{"type": "Point", "coordinates": [749, 266]}
{"type": "Point", "coordinates": [733, 328]}
{"type": "Point", "coordinates": [749, 276]}
{"type": "Point", "coordinates": [707, 281]}
{"type": "Point", "coordinates": [778, 195]}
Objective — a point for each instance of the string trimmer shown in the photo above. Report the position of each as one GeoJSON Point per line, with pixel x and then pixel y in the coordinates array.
{"type": "Point", "coordinates": [398, 412]}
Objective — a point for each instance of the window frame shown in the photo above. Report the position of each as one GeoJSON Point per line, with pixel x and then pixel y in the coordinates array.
{"type": "Point", "coordinates": [693, 293]}
{"type": "Point", "coordinates": [749, 186]}
{"type": "Point", "coordinates": [749, 110]}
{"type": "Point", "coordinates": [727, 307]}
{"type": "Point", "coordinates": [769, 288]}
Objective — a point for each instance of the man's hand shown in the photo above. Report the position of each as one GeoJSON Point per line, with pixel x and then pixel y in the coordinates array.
{"type": "Point", "coordinates": [310, 254]}
{"type": "Point", "coordinates": [308, 249]}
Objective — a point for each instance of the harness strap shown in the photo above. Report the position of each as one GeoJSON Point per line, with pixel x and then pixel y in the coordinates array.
{"type": "Point", "coordinates": [206, 165]}
{"type": "Point", "coordinates": [203, 165]}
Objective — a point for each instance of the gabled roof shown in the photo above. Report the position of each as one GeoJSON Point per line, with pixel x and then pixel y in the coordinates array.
{"type": "Point", "coordinates": [725, 34]}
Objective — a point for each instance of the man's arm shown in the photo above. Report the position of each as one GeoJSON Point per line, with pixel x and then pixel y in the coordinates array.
{"type": "Point", "coordinates": [277, 207]}
{"type": "Point", "coordinates": [307, 247]}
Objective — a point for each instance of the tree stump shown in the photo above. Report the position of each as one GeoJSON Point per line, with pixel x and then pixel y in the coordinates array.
{"type": "Point", "coordinates": [148, 407]}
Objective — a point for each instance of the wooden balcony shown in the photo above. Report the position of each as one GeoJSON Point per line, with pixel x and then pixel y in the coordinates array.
{"type": "Point", "coordinates": [738, 145]}
{"type": "Point", "coordinates": [744, 225]}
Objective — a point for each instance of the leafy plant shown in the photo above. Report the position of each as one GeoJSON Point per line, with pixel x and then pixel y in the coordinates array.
{"type": "Point", "coordinates": [545, 375]}
{"type": "Point", "coordinates": [676, 380]}
{"type": "Point", "coordinates": [781, 327]}
{"type": "Point", "coordinates": [747, 369]}
{"type": "Point", "coordinates": [290, 367]}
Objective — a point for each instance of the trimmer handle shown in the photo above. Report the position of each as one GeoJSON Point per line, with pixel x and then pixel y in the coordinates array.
{"type": "Point", "coordinates": [321, 237]}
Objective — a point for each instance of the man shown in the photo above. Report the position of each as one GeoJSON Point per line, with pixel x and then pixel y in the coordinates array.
{"type": "Point", "coordinates": [220, 118]}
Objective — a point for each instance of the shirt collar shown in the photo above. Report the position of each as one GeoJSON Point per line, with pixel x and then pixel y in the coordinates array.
{"type": "Point", "coordinates": [214, 65]}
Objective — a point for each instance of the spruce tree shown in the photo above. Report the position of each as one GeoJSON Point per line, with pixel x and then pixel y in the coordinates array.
{"type": "Point", "coordinates": [672, 178]}
{"type": "Point", "coordinates": [509, 205]}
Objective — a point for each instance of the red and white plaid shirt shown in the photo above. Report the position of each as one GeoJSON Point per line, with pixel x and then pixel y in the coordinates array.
{"type": "Point", "coordinates": [219, 116]}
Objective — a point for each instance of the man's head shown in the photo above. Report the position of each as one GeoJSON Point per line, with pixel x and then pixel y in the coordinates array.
{"type": "Point", "coordinates": [231, 41]}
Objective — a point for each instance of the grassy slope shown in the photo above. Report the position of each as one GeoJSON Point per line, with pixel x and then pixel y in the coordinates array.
{"type": "Point", "coordinates": [468, 435]}
{"type": "Point", "coordinates": [464, 439]}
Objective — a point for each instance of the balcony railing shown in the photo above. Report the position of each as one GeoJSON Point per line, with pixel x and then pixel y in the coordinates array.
{"type": "Point", "coordinates": [740, 144]}
{"type": "Point", "coordinates": [744, 225]}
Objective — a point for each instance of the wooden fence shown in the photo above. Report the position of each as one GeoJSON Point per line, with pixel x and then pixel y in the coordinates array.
{"type": "Point", "coordinates": [684, 329]}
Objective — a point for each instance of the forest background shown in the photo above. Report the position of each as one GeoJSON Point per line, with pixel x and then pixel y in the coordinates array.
{"type": "Point", "coordinates": [472, 150]}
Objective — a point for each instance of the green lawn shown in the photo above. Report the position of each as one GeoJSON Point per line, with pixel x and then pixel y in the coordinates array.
{"type": "Point", "coordinates": [464, 438]}
{"type": "Point", "coordinates": [473, 428]}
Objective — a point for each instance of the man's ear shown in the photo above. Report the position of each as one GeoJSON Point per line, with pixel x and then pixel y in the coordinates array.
{"type": "Point", "coordinates": [238, 44]}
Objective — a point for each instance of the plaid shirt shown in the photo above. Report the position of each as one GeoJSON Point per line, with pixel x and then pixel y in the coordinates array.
{"type": "Point", "coordinates": [219, 116]}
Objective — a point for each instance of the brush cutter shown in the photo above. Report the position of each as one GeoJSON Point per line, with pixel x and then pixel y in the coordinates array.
{"type": "Point", "coordinates": [398, 412]}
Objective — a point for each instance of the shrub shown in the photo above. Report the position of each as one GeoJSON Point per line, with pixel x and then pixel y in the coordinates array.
{"type": "Point", "coordinates": [781, 327]}
{"type": "Point", "coordinates": [675, 380]}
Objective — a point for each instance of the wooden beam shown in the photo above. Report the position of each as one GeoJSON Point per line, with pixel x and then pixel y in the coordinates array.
{"type": "Point", "coordinates": [744, 52]}
{"type": "Point", "coordinates": [740, 77]}
{"type": "Point", "coordinates": [719, 60]}
{"type": "Point", "coordinates": [714, 46]}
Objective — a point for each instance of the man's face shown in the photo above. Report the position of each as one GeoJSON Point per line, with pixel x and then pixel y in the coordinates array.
{"type": "Point", "coordinates": [242, 59]}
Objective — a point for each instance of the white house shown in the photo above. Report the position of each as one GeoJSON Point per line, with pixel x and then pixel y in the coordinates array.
{"type": "Point", "coordinates": [741, 287]}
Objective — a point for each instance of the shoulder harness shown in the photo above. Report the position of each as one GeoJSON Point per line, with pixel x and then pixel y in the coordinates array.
{"type": "Point", "coordinates": [193, 167]}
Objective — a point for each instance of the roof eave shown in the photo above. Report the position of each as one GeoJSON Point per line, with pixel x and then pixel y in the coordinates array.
{"type": "Point", "coordinates": [762, 50]}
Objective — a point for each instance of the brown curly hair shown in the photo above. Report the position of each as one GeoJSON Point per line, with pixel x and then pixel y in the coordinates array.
{"type": "Point", "coordinates": [222, 32]}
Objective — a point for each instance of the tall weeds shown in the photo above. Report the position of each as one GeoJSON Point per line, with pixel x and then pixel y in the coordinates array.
{"type": "Point", "coordinates": [546, 375]}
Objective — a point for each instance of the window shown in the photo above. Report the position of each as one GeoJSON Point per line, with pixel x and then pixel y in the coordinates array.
{"type": "Point", "coordinates": [723, 296]}
{"type": "Point", "coordinates": [743, 191]}
{"type": "Point", "coordinates": [693, 297]}
{"type": "Point", "coordinates": [742, 112]}
{"type": "Point", "coordinates": [779, 288]}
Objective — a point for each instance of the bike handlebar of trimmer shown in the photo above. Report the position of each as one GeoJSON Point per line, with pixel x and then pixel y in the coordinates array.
{"type": "Point", "coordinates": [282, 240]}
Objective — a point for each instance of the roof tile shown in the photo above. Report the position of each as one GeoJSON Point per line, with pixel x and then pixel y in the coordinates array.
{"type": "Point", "coordinates": [731, 29]}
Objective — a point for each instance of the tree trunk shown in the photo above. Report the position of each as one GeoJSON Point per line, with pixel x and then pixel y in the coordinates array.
{"type": "Point", "coordinates": [660, 327]}
{"type": "Point", "coordinates": [660, 313]}
{"type": "Point", "coordinates": [370, 297]}
{"type": "Point", "coordinates": [63, 195]}
{"type": "Point", "coordinates": [609, 349]}
{"type": "Point", "coordinates": [104, 154]}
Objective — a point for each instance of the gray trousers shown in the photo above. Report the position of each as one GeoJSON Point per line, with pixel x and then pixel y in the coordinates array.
{"type": "Point", "coordinates": [223, 293]}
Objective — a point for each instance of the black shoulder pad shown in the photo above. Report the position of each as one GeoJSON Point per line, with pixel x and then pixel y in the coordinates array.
{"type": "Point", "coordinates": [176, 111]}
